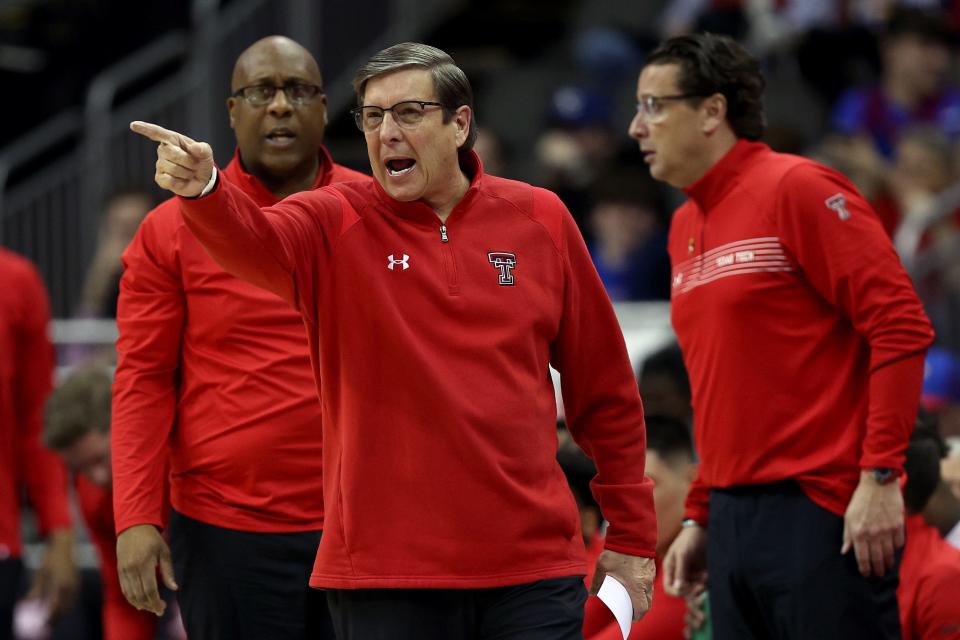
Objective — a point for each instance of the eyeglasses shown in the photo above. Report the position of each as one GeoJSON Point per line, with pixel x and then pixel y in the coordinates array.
{"type": "Point", "coordinates": [408, 114]}
{"type": "Point", "coordinates": [297, 93]}
{"type": "Point", "coordinates": [651, 107]}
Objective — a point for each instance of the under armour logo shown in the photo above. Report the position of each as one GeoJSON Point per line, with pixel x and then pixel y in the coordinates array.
{"type": "Point", "coordinates": [838, 203]}
{"type": "Point", "coordinates": [403, 262]}
{"type": "Point", "coordinates": [505, 262]}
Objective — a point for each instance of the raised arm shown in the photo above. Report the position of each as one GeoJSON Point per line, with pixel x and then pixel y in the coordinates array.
{"type": "Point", "coordinates": [279, 248]}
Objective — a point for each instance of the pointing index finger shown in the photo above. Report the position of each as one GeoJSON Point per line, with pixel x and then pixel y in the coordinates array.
{"type": "Point", "coordinates": [159, 134]}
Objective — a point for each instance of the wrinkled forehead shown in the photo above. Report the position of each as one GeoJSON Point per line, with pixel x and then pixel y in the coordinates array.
{"type": "Point", "coordinates": [411, 83]}
{"type": "Point", "coordinates": [275, 65]}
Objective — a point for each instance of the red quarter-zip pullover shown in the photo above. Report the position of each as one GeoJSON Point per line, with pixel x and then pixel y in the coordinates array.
{"type": "Point", "coordinates": [801, 331]}
{"type": "Point", "coordinates": [431, 343]}
{"type": "Point", "coordinates": [215, 373]}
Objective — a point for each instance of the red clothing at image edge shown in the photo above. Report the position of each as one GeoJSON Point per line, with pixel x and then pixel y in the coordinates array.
{"type": "Point", "coordinates": [26, 377]}
{"type": "Point", "coordinates": [216, 372]}
{"type": "Point", "coordinates": [121, 620]}
{"type": "Point", "coordinates": [439, 413]}
{"type": "Point", "coordinates": [802, 334]}
{"type": "Point", "coordinates": [664, 620]}
{"type": "Point", "coordinates": [929, 584]}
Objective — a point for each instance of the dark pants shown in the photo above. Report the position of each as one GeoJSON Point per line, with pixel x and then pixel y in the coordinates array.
{"type": "Point", "coordinates": [11, 570]}
{"type": "Point", "coordinates": [544, 610]}
{"type": "Point", "coordinates": [241, 585]}
{"type": "Point", "coordinates": [775, 571]}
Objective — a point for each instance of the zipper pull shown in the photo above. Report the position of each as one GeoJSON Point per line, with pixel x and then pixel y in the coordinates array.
{"type": "Point", "coordinates": [443, 233]}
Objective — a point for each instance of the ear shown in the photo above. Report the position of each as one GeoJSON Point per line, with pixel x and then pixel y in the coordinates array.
{"type": "Point", "coordinates": [462, 117]}
{"type": "Point", "coordinates": [231, 105]}
{"type": "Point", "coordinates": [323, 101]}
{"type": "Point", "coordinates": [713, 113]}
{"type": "Point", "coordinates": [691, 472]}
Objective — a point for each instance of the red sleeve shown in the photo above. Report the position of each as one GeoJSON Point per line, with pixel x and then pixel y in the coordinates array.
{"type": "Point", "coordinates": [847, 258]}
{"type": "Point", "coordinates": [937, 607]}
{"type": "Point", "coordinates": [45, 474]}
{"type": "Point", "coordinates": [278, 248]}
{"type": "Point", "coordinates": [698, 502]}
{"type": "Point", "coordinates": [602, 401]}
{"type": "Point", "coordinates": [150, 318]}
{"type": "Point", "coordinates": [121, 621]}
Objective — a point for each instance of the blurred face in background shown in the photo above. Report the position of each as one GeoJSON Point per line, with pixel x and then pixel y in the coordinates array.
{"type": "Point", "coordinates": [619, 227]}
{"type": "Point", "coordinates": [90, 457]}
{"type": "Point", "coordinates": [671, 481]}
{"type": "Point", "coordinates": [916, 64]}
{"type": "Point", "coordinates": [280, 138]}
{"type": "Point", "coordinates": [124, 214]}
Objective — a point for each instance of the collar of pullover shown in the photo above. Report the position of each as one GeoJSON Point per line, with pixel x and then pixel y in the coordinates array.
{"type": "Point", "coordinates": [717, 182]}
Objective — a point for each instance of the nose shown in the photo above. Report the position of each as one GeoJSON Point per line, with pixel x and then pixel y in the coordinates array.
{"type": "Point", "coordinates": [280, 105]}
{"type": "Point", "coordinates": [638, 127]}
{"type": "Point", "coordinates": [389, 129]}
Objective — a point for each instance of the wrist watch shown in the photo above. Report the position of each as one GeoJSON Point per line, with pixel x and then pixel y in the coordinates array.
{"type": "Point", "coordinates": [690, 522]}
{"type": "Point", "coordinates": [884, 475]}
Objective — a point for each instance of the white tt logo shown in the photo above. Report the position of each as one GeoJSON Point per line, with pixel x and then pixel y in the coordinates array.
{"type": "Point", "coordinates": [404, 262]}
{"type": "Point", "coordinates": [838, 203]}
{"type": "Point", "coordinates": [505, 262]}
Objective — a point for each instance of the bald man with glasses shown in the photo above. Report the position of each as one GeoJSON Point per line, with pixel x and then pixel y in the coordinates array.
{"type": "Point", "coordinates": [215, 374]}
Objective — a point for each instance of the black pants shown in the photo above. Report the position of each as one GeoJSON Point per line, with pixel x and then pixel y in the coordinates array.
{"type": "Point", "coordinates": [544, 610]}
{"type": "Point", "coordinates": [239, 585]}
{"type": "Point", "coordinates": [11, 571]}
{"type": "Point", "coordinates": [775, 571]}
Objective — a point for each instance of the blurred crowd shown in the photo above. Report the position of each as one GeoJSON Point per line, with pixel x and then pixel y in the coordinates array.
{"type": "Point", "coordinates": [879, 81]}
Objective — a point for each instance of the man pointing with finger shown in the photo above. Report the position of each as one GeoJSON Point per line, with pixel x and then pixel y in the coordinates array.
{"type": "Point", "coordinates": [804, 340]}
{"type": "Point", "coordinates": [435, 300]}
{"type": "Point", "coordinates": [215, 374]}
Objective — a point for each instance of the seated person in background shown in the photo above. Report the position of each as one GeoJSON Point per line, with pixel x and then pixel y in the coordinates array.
{"type": "Point", "coordinates": [930, 568]}
{"type": "Point", "coordinates": [913, 88]}
{"type": "Point", "coordinates": [78, 428]}
{"type": "Point", "coordinates": [665, 385]}
{"type": "Point", "coordinates": [628, 236]}
{"type": "Point", "coordinates": [671, 466]}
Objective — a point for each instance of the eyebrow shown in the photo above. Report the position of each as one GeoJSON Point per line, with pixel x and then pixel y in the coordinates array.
{"type": "Point", "coordinates": [284, 79]}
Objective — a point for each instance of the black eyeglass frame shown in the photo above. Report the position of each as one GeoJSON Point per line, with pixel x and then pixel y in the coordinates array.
{"type": "Point", "coordinates": [358, 114]}
{"type": "Point", "coordinates": [316, 89]}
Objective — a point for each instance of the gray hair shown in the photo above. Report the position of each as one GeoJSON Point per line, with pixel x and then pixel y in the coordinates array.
{"type": "Point", "coordinates": [450, 82]}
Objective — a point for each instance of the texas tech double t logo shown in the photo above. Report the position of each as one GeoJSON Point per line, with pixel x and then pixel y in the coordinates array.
{"type": "Point", "coordinates": [505, 262]}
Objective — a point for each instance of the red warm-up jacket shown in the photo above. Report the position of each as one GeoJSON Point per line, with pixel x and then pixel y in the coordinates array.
{"type": "Point", "coordinates": [802, 334]}
{"type": "Point", "coordinates": [431, 343]}
{"type": "Point", "coordinates": [215, 373]}
{"type": "Point", "coordinates": [26, 377]}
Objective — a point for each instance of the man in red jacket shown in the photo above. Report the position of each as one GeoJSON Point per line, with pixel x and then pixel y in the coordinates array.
{"type": "Point", "coordinates": [26, 373]}
{"type": "Point", "coordinates": [78, 428]}
{"type": "Point", "coordinates": [804, 340]}
{"type": "Point", "coordinates": [435, 299]}
{"type": "Point", "coordinates": [215, 373]}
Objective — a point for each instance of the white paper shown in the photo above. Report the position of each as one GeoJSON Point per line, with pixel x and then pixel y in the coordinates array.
{"type": "Point", "coordinates": [613, 594]}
